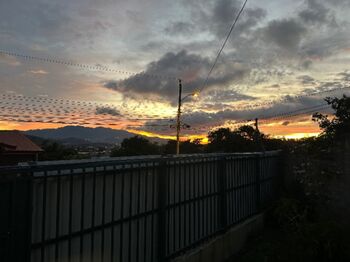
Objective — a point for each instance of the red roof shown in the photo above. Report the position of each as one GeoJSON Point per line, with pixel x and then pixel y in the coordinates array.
{"type": "Point", "coordinates": [14, 141]}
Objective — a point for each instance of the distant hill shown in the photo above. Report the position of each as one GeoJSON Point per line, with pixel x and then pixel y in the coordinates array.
{"type": "Point", "coordinates": [83, 135]}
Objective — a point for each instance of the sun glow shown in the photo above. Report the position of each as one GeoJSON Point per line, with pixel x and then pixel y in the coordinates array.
{"type": "Point", "coordinates": [203, 138]}
{"type": "Point", "coordinates": [300, 135]}
{"type": "Point", "coordinates": [150, 134]}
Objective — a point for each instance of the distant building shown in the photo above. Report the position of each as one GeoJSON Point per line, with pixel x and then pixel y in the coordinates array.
{"type": "Point", "coordinates": [16, 147]}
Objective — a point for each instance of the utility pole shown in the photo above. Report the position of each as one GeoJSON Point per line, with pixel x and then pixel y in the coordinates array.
{"type": "Point", "coordinates": [257, 136]}
{"type": "Point", "coordinates": [257, 125]}
{"type": "Point", "coordinates": [178, 123]}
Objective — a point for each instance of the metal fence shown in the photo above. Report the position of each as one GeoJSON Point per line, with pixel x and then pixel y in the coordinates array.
{"type": "Point", "coordinates": [149, 209]}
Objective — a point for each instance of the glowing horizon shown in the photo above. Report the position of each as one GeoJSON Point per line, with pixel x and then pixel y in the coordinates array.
{"type": "Point", "coordinates": [275, 62]}
{"type": "Point", "coordinates": [305, 130]}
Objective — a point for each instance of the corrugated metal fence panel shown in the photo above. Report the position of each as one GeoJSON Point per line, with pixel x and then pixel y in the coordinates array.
{"type": "Point", "coordinates": [149, 209]}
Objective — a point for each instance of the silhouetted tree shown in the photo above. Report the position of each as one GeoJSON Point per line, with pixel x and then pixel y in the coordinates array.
{"type": "Point", "coordinates": [169, 147]}
{"type": "Point", "coordinates": [248, 132]}
{"type": "Point", "coordinates": [340, 124]}
{"type": "Point", "coordinates": [136, 146]}
{"type": "Point", "coordinates": [186, 147]}
{"type": "Point", "coordinates": [225, 140]}
{"type": "Point", "coordinates": [56, 151]}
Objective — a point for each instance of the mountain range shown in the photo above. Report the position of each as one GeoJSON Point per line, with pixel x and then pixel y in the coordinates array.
{"type": "Point", "coordinates": [79, 135]}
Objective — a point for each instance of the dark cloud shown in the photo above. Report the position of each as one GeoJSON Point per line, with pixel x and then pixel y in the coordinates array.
{"type": "Point", "coordinates": [191, 68]}
{"type": "Point", "coordinates": [325, 45]}
{"type": "Point", "coordinates": [216, 17]}
{"type": "Point", "coordinates": [199, 119]}
{"type": "Point", "coordinates": [341, 3]}
{"type": "Point", "coordinates": [287, 104]}
{"type": "Point", "coordinates": [263, 75]}
{"type": "Point", "coordinates": [277, 86]}
{"type": "Point", "coordinates": [284, 105]}
{"type": "Point", "coordinates": [224, 13]}
{"type": "Point", "coordinates": [306, 80]}
{"type": "Point", "coordinates": [345, 76]}
{"type": "Point", "coordinates": [226, 96]}
{"type": "Point", "coordinates": [315, 13]}
{"type": "Point", "coordinates": [107, 111]}
{"type": "Point", "coordinates": [306, 64]}
{"type": "Point", "coordinates": [295, 37]}
{"type": "Point", "coordinates": [285, 123]}
{"type": "Point", "coordinates": [177, 28]}
{"type": "Point", "coordinates": [326, 86]}
{"type": "Point", "coordinates": [286, 33]}
{"type": "Point", "coordinates": [136, 32]}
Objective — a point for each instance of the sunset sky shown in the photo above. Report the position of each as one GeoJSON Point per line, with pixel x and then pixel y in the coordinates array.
{"type": "Point", "coordinates": [280, 52]}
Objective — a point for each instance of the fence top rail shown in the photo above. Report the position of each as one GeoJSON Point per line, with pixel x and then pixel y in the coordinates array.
{"type": "Point", "coordinates": [134, 162]}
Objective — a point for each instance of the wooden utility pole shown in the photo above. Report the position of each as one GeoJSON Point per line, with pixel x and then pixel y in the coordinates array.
{"type": "Point", "coordinates": [257, 125]}
{"type": "Point", "coordinates": [178, 123]}
{"type": "Point", "coordinates": [258, 136]}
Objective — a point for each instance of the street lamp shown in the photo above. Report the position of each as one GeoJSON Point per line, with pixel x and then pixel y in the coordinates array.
{"type": "Point", "coordinates": [178, 122]}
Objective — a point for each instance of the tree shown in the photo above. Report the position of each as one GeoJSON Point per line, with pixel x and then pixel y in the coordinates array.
{"type": "Point", "coordinates": [248, 132]}
{"type": "Point", "coordinates": [186, 147]}
{"type": "Point", "coordinates": [225, 140]}
{"type": "Point", "coordinates": [136, 146]}
{"type": "Point", "coordinates": [340, 124]}
{"type": "Point", "coordinates": [56, 151]}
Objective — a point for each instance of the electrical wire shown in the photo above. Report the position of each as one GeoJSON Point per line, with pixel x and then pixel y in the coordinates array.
{"type": "Point", "coordinates": [84, 66]}
{"type": "Point", "coordinates": [287, 98]}
{"type": "Point", "coordinates": [289, 115]}
{"type": "Point", "coordinates": [223, 46]}
{"type": "Point", "coordinates": [20, 103]}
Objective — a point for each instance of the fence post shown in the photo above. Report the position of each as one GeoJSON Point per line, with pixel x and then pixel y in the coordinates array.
{"type": "Point", "coordinates": [282, 170]}
{"type": "Point", "coordinates": [162, 185]}
{"type": "Point", "coordinates": [257, 181]}
{"type": "Point", "coordinates": [222, 191]}
{"type": "Point", "coordinates": [15, 217]}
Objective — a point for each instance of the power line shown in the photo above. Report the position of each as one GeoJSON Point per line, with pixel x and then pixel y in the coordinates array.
{"type": "Point", "coordinates": [20, 102]}
{"type": "Point", "coordinates": [84, 66]}
{"type": "Point", "coordinates": [279, 101]}
{"type": "Point", "coordinates": [223, 46]}
{"type": "Point", "coordinates": [123, 117]}
{"type": "Point", "coordinates": [159, 127]}
{"type": "Point", "coordinates": [293, 115]}
{"type": "Point", "coordinates": [288, 114]}
{"type": "Point", "coordinates": [296, 112]}
{"type": "Point", "coordinates": [287, 98]}
{"type": "Point", "coordinates": [77, 115]}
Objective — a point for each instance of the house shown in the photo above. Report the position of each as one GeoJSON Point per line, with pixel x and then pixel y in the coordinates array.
{"type": "Point", "coordinates": [15, 147]}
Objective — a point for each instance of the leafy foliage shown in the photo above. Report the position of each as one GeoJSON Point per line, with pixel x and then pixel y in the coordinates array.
{"type": "Point", "coordinates": [186, 147]}
{"type": "Point", "coordinates": [225, 140]}
{"type": "Point", "coordinates": [307, 224]}
{"type": "Point", "coordinates": [56, 151]}
{"type": "Point", "coordinates": [340, 124]}
{"type": "Point", "coordinates": [135, 146]}
{"type": "Point", "coordinates": [242, 139]}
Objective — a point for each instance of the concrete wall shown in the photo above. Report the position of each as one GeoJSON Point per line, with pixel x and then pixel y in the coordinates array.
{"type": "Point", "coordinates": [225, 246]}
